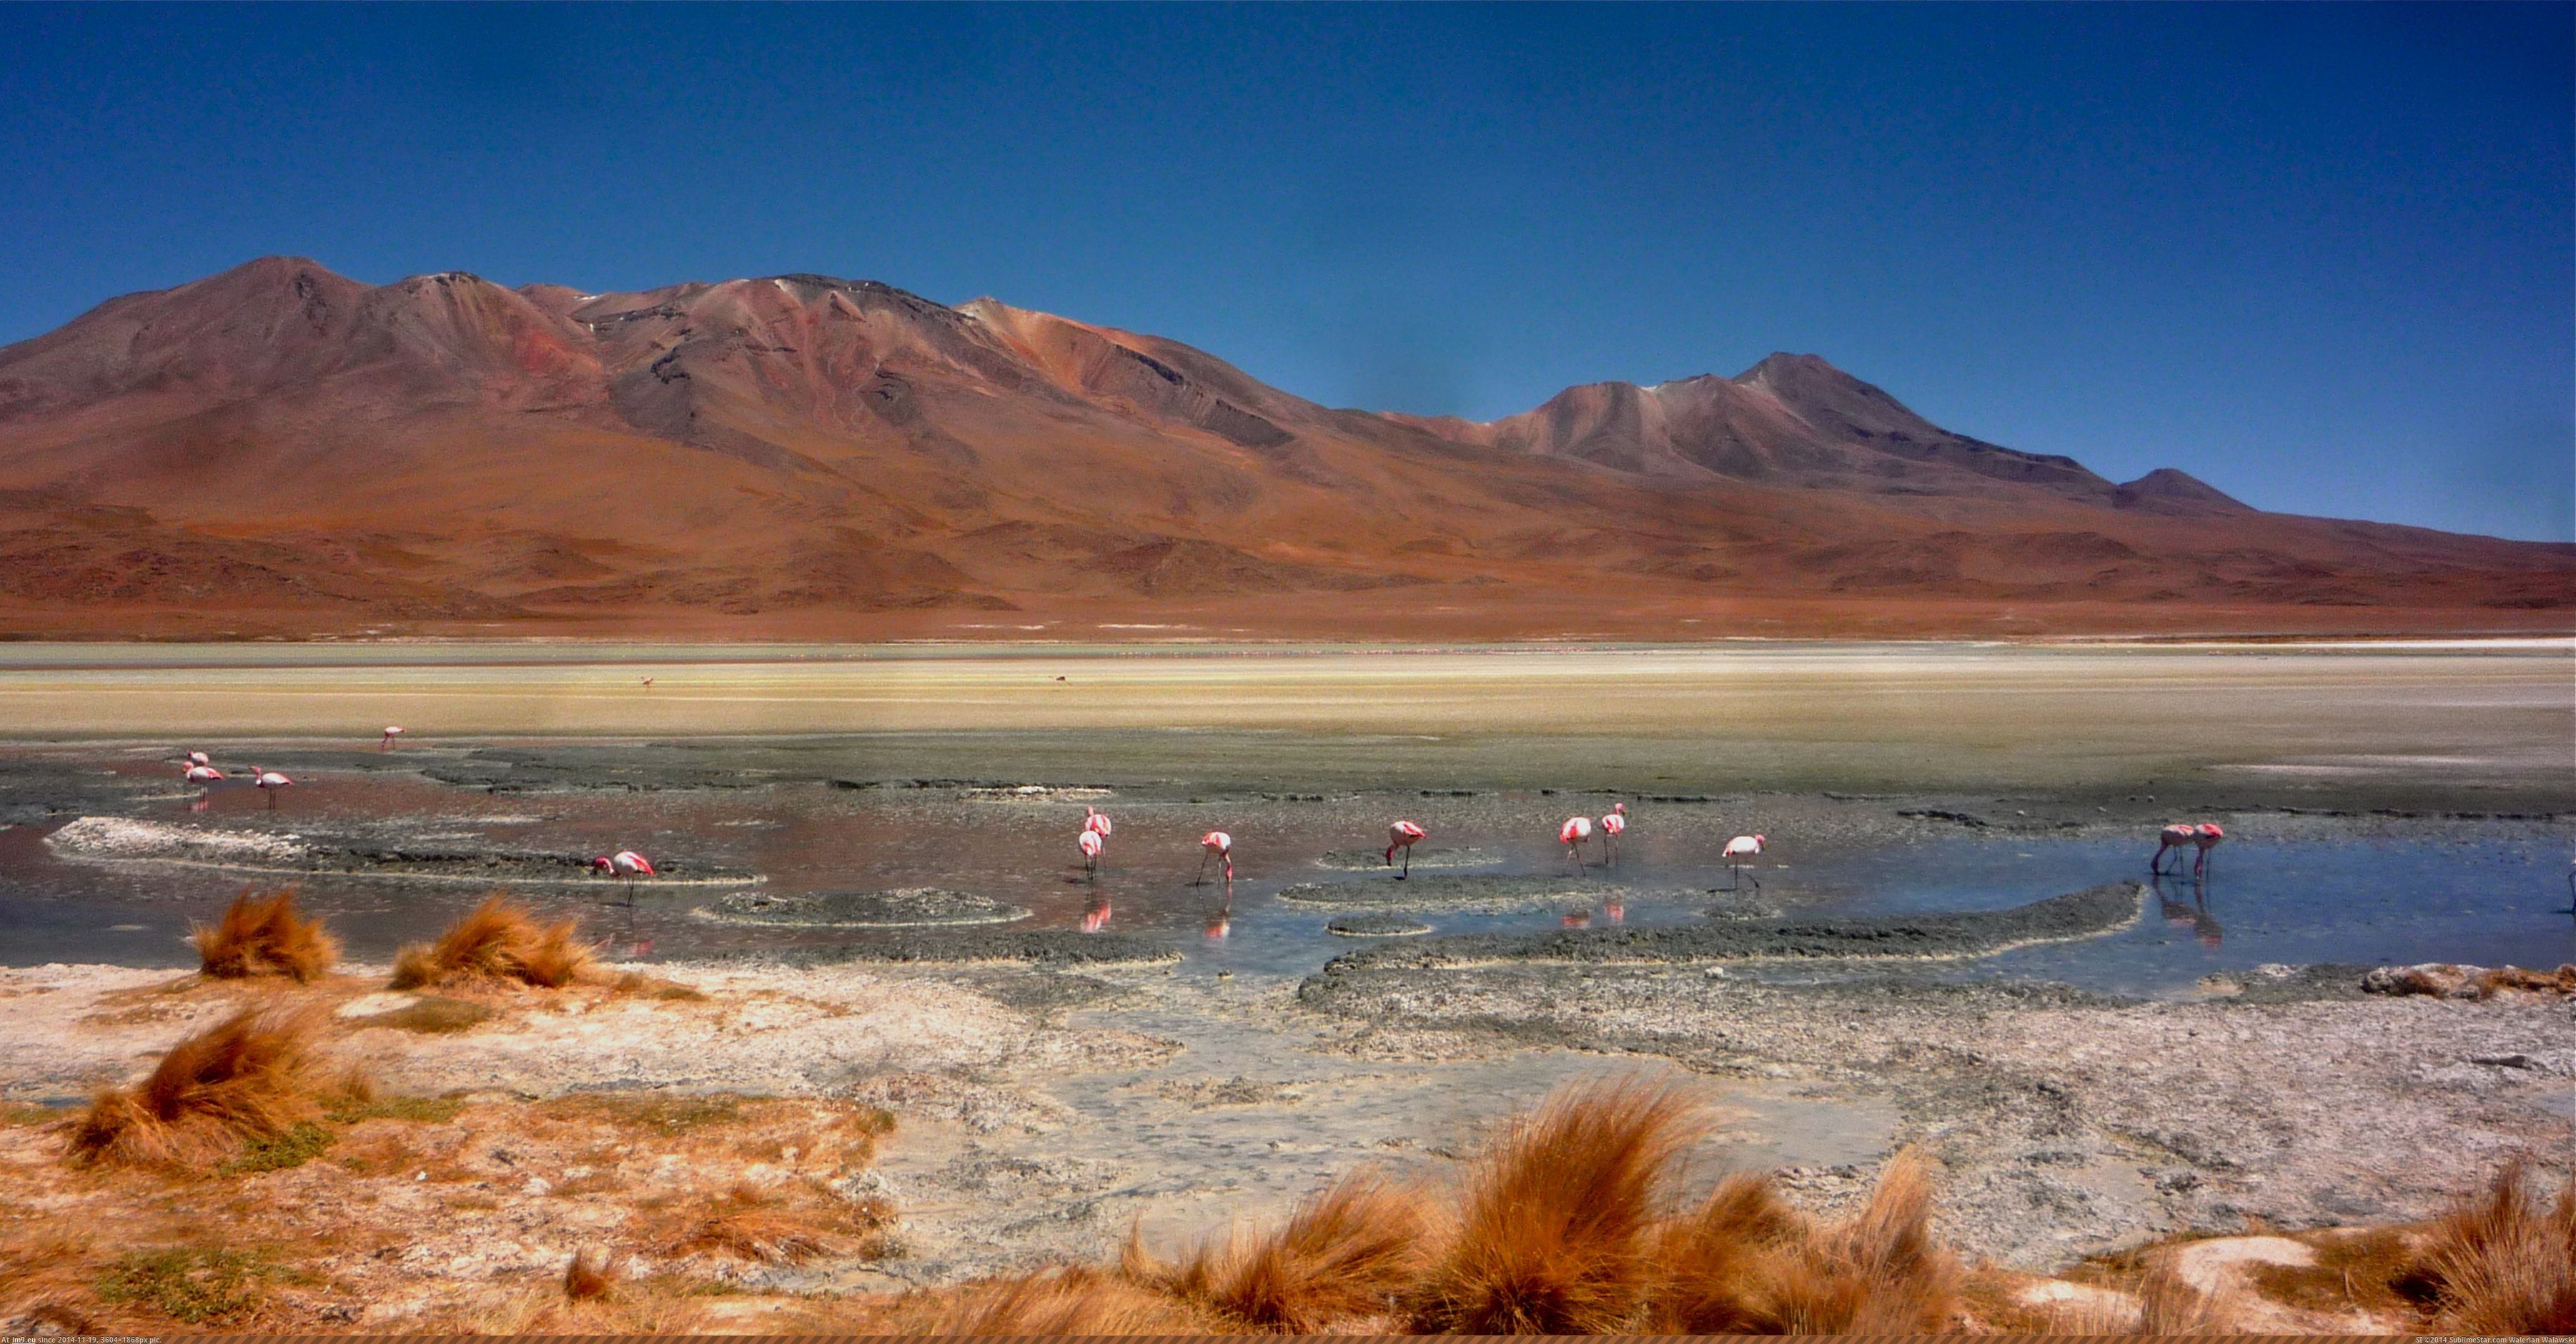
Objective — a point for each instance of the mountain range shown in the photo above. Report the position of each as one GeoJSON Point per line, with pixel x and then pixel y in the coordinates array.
{"type": "Point", "coordinates": [279, 449]}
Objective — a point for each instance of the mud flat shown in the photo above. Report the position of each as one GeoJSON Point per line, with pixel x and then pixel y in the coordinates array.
{"type": "Point", "coordinates": [2064, 1123]}
{"type": "Point", "coordinates": [1051, 949]}
{"type": "Point", "coordinates": [1424, 860]}
{"type": "Point", "coordinates": [1376, 925]}
{"type": "Point", "coordinates": [1455, 892]}
{"type": "Point", "coordinates": [906, 907]}
{"type": "Point", "coordinates": [2080, 914]}
{"type": "Point", "coordinates": [293, 854]}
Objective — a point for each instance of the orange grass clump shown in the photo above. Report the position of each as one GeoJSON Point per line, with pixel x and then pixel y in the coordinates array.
{"type": "Point", "coordinates": [252, 1076]}
{"type": "Point", "coordinates": [1748, 1264]}
{"type": "Point", "coordinates": [1555, 1235]}
{"type": "Point", "coordinates": [499, 940]}
{"type": "Point", "coordinates": [1068, 1301]}
{"type": "Point", "coordinates": [748, 1223]}
{"type": "Point", "coordinates": [1348, 1252]}
{"type": "Point", "coordinates": [2502, 1263]}
{"type": "Point", "coordinates": [588, 1277]}
{"type": "Point", "coordinates": [263, 935]}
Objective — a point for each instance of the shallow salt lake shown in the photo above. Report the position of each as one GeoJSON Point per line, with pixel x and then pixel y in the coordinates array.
{"type": "Point", "coordinates": [2492, 896]}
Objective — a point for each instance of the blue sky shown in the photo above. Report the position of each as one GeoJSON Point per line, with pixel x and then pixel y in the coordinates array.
{"type": "Point", "coordinates": [2322, 256]}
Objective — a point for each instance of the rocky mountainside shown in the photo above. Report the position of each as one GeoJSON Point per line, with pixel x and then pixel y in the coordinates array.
{"type": "Point", "coordinates": [280, 449]}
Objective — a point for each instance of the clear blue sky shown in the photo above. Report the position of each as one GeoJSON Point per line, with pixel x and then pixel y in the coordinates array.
{"type": "Point", "coordinates": [2320, 255]}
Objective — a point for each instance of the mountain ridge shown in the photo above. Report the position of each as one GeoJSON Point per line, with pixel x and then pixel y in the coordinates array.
{"type": "Point", "coordinates": [281, 448]}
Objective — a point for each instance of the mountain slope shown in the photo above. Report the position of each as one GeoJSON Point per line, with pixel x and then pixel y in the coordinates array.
{"type": "Point", "coordinates": [282, 449]}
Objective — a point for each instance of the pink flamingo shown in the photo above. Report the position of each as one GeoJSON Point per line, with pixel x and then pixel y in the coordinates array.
{"type": "Point", "coordinates": [1215, 845]}
{"type": "Point", "coordinates": [392, 731]}
{"type": "Point", "coordinates": [198, 758]}
{"type": "Point", "coordinates": [2176, 836]}
{"type": "Point", "coordinates": [1090, 845]}
{"type": "Point", "coordinates": [203, 774]}
{"type": "Point", "coordinates": [271, 781]}
{"type": "Point", "coordinates": [1572, 834]}
{"type": "Point", "coordinates": [2206, 835]}
{"type": "Point", "coordinates": [628, 864]}
{"type": "Point", "coordinates": [1403, 835]}
{"type": "Point", "coordinates": [1738, 850]}
{"type": "Point", "coordinates": [1614, 824]}
{"type": "Point", "coordinates": [1096, 821]}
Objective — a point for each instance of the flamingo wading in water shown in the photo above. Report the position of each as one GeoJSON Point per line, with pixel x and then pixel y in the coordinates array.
{"type": "Point", "coordinates": [1402, 835]}
{"type": "Point", "coordinates": [272, 782]}
{"type": "Point", "coordinates": [1614, 823]}
{"type": "Point", "coordinates": [2206, 835]}
{"type": "Point", "coordinates": [1572, 834]}
{"type": "Point", "coordinates": [203, 774]}
{"type": "Point", "coordinates": [392, 731]}
{"type": "Point", "coordinates": [2172, 837]}
{"type": "Point", "coordinates": [1215, 845]}
{"type": "Point", "coordinates": [1740, 849]}
{"type": "Point", "coordinates": [625, 863]}
{"type": "Point", "coordinates": [1096, 821]}
{"type": "Point", "coordinates": [1090, 844]}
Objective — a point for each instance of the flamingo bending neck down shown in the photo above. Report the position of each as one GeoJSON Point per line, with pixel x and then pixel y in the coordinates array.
{"type": "Point", "coordinates": [1402, 835]}
{"type": "Point", "coordinates": [198, 758]}
{"type": "Point", "coordinates": [625, 863]}
{"type": "Point", "coordinates": [392, 731]}
{"type": "Point", "coordinates": [1572, 834]}
{"type": "Point", "coordinates": [1738, 850]}
{"type": "Point", "coordinates": [2206, 835]}
{"type": "Point", "coordinates": [1090, 845]}
{"type": "Point", "coordinates": [1093, 819]}
{"type": "Point", "coordinates": [271, 781]}
{"type": "Point", "coordinates": [1215, 845]}
{"type": "Point", "coordinates": [203, 774]}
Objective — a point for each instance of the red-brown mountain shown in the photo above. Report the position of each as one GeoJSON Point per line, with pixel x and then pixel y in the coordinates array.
{"type": "Point", "coordinates": [282, 449]}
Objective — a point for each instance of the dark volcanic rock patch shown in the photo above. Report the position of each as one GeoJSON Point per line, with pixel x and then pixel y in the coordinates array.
{"type": "Point", "coordinates": [907, 907]}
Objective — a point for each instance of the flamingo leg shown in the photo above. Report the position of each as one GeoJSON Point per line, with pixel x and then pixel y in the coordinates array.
{"type": "Point", "coordinates": [1199, 879]}
{"type": "Point", "coordinates": [1408, 864]}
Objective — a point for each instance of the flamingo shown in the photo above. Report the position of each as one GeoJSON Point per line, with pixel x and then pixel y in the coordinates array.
{"type": "Point", "coordinates": [392, 731]}
{"type": "Point", "coordinates": [1572, 834]}
{"type": "Point", "coordinates": [1093, 819]}
{"type": "Point", "coordinates": [2176, 836]}
{"type": "Point", "coordinates": [1215, 845]}
{"type": "Point", "coordinates": [648, 681]}
{"type": "Point", "coordinates": [272, 781]}
{"type": "Point", "coordinates": [198, 758]}
{"type": "Point", "coordinates": [1090, 845]}
{"type": "Point", "coordinates": [628, 864]}
{"type": "Point", "coordinates": [2206, 835]}
{"type": "Point", "coordinates": [1738, 850]}
{"type": "Point", "coordinates": [1614, 823]}
{"type": "Point", "coordinates": [1402, 835]}
{"type": "Point", "coordinates": [203, 774]}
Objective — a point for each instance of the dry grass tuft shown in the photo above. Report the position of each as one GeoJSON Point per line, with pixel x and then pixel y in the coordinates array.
{"type": "Point", "coordinates": [250, 1078]}
{"type": "Point", "coordinates": [497, 941]}
{"type": "Point", "coordinates": [2503, 1263]}
{"type": "Point", "coordinates": [1748, 1264]}
{"type": "Point", "coordinates": [774, 1226]}
{"type": "Point", "coordinates": [2167, 1305]}
{"type": "Point", "coordinates": [1071, 1301]}
{"type": "Point", "coordinates": [1348, 1252]}
{"type": "Point", "coordinates": [589, 1276]}
{"type": "Point", "coordinates": [264, 935]}
{"type": "Point", "coordinates": [1555, 1235]}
